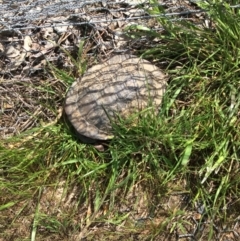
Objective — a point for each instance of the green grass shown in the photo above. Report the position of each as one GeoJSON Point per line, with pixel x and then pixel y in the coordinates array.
{"type": "Point", "coordinates": [192, 147]}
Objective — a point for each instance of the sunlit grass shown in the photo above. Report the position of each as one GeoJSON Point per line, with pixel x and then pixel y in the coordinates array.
{"type": "Point", "coordinates": [195, 139]}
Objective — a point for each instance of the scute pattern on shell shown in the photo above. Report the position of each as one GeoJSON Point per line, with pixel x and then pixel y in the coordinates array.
{"type": "Point", "coordinates": [122, 84]}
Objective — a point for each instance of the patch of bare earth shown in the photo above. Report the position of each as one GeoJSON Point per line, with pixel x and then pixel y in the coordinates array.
{"type": "Point", "coordinates": [62, 215]}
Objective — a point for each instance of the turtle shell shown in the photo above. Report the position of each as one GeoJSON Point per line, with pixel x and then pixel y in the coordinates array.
{"type": "Point", "coordinates": [122, 84]}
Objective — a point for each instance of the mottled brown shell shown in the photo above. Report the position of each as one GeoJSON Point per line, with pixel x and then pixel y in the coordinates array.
{"type": "Point", "coordinates": [122, 84]}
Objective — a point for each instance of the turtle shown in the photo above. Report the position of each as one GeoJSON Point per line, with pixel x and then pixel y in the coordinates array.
{"type": "Point", "coordinates": [119, 86]}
